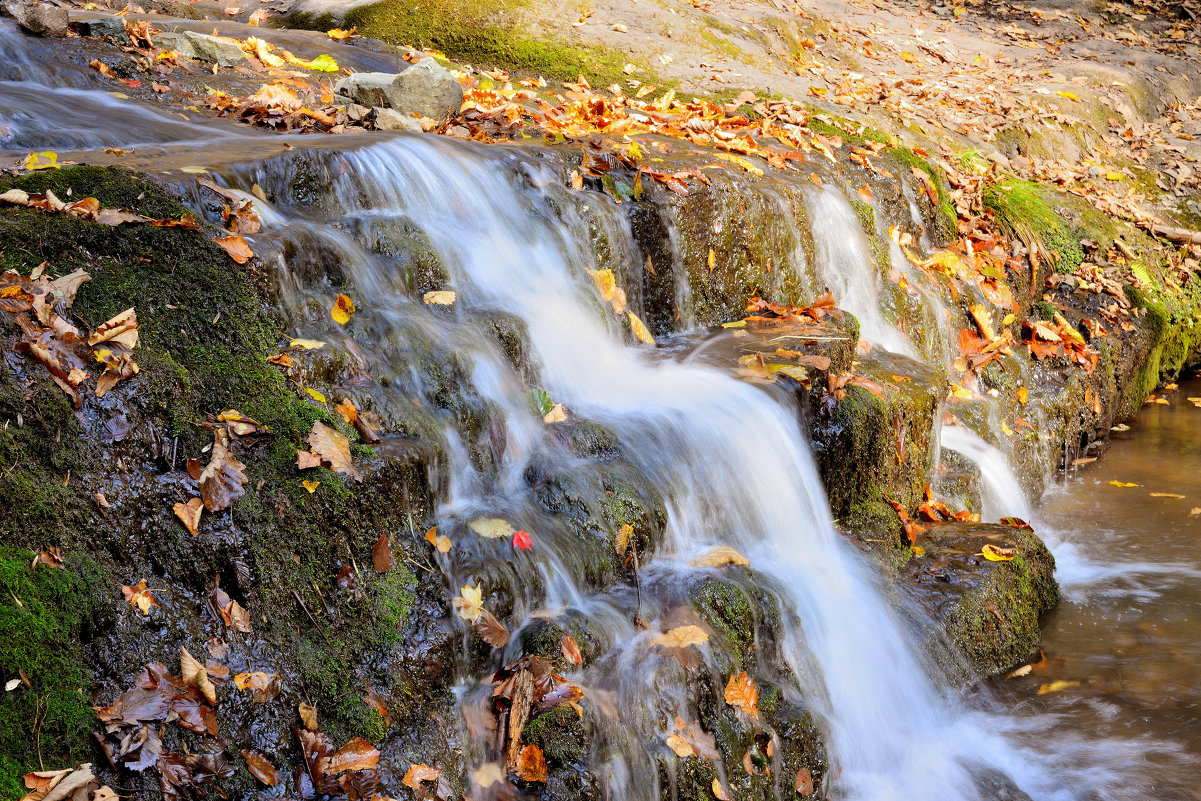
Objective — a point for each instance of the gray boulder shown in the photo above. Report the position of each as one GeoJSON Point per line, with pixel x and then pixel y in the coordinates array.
{"type": "Point", "coordinates": [40, 18]}
{"type": "Point", "coordinates": [426, 88]}
{"type": "Point", "coordinates": [97, 27]}
{"type": "Point", "coordinates": [387, 119]}
{"type": "Point", "coordinates": [201, 46]}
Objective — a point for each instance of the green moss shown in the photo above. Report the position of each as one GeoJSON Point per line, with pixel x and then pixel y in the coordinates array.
{"type": "Point", "coordinates": [1024, 209]}
{"type": "Point", "coordinates": [560, 734]}
{"type": "Point", "coordinates": [486, 34]}
{"type": "Point", "coordinates": [392, 597]}
{"type": "Point", "coordinates": [947, 219]}
{"type": "Point", "coordinates": [42, 613]}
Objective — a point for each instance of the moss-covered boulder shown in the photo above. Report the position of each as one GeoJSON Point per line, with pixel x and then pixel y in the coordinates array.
{"type": "Point", "coordinates": [983, 615]}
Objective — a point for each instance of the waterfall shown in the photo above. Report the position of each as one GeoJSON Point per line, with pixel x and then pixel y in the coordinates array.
{"type": "Point", "coordinates": [729, 458]}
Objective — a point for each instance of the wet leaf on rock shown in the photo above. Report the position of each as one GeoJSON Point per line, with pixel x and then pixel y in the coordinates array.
{"type": "Point", "coordinates": [239, 424]}
{"type": "Point", "coordinates": [222, 481]}
{"type": "Point", "coordinates": [189, 513]}
{"type": "Point", "coordinates": [440, 542]}
{"type": "Point", "coordinates": [236, 247]}
{"type": "Point", "coordinates": [442, 297]}
{"type": "Point", "coordinates": [531, 764]}
{"type": "Point", "coordinates": [994, 553]}
{"type": "Point", "coordinates": [682, 637]}
{"type": "Point", "coordinates": [342, 309]}
{"type": "Point", "coordinates": [571, 650]}
{"type": "Point", "coordinates": [742, 693]}
{"type": "Point", "coordinates": [721, 555]}
{"type": "Point", "coordinates": [196, 675]}
{"type": "Point", "coordinates": [308, 715]}
{"type": "Point", "coordinates": [263, 687]}
{"type": "Point", "coordinates": [491, 630]}
{"type": "Point", "coordinates": [260, 767]}
{"type": "Point", "coordinates": [804, 782]}
{"type": "Point", "coordinates": [622, 540]}
{"type": "Point", "coordinates": [522, 540]}
{"type": "Point", "coordinates": [690, 740]}
{"type": "Point", "coordinates": [329, 449]}
{"type": "Point", "coordinates": [492, 527]}
{"type": "Point", "coordinates": [719, 792]}
{"type": "Point", "coordinates": [640, 330]}
{"type": "Point", "coordinates": [417, 774]}
{"type": "Point", "coordinates": [358, 754]}
{"type": "Point", "coordinates": [469, 605]}
{"type": "Point", "coordinates": [139, 596]}
{"type": "Point", "coordinates": [381, 554]}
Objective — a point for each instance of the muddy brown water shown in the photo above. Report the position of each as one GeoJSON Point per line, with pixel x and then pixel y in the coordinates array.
{"type": "Point", "coordinates": [1127, 636]}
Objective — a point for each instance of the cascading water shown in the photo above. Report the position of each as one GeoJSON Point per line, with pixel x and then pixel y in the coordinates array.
{"type": "Point", "coordinates": [728, 457]}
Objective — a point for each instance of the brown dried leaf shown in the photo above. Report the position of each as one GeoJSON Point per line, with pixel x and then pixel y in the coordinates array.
{"type": "Point", "coordinates": [571, 650]}
{"type": "Point", "coordinates": [491, 630]}
{"type": "Point", "coordinates": [222, 481]}
{"type": "Point", "coordinates": [263, 686]}
{"type": "Point", "coordinates": [358, 754]}
{"type": "Point", "coordinates": [236, 247]}
{"type": "Point", "coordinates": [196, 675]}
{"type": "Point", "coordinates": [189, 513]}
{"type": "Point", "coordinates": [418, 774]}
{"type": "Point", "coordinates": [682, 637]}
{"type": "Point", "coordinates": [260, 768]}
{"type": "Point", "coordinates": [308, 715]}
{"type": "Point", "coordinates": [139, 597]}
{"type": "Point", "coordinates": [331, 449]}
{"type": "Point", "coordinates": [381, 554]}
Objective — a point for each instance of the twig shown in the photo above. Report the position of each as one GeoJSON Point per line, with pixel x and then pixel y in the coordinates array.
{"type": "Point", "coordinates": [320, 630]}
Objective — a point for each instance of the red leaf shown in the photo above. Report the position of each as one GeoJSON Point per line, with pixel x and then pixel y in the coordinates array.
{"type": "Point", "coordinates": [521, 539]}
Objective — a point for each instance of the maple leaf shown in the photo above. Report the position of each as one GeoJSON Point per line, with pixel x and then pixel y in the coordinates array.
{"type": "Point", "coordinates": [522, 541]}
{"type": "Point", "coordinates": [139, 596]}
{"type": "Point", "coordinates": [531, 764]}
{"type": "Point", "coordinates": [469, 605]}
{"type": "Point", "coordinates": [440, 542]}
{"type": "Point", "coordinates": [236, 247]}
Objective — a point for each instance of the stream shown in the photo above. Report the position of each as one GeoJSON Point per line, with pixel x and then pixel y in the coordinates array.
{"type": "Point", "coordinates": [1127, 634]}
{"type": "Point", "coordinates": [735, 469]}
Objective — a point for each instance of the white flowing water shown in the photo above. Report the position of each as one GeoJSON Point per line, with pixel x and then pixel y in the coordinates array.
{"type": "Point", "coordinates": [729, 458]}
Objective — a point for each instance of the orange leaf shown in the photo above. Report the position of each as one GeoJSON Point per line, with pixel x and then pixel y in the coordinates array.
{"type": "Point", "coordinates": [189, 513]}
{"type": "Point", "coordinates": [381, 554]}
{"type": "Point", "coordinates": [358, 754]}
{"type": "Point", "coordinates": [571, 650]}
{"type": "Point", "coordinates": [531, 764]}
{"type": "Point", "coordinates": [418, 774]}
{"type": "Point", "coordinates": [742, 693]}
{"type": "Point", "coordinates": [260, 768]}
{"type": "Point", "coordinates": [236, 247]}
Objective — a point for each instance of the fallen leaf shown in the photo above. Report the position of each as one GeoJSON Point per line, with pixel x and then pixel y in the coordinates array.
{"type": "Point", "coordinates": [195, 675]}
{"type": "Point", "coordinates": [804, 782]}
{"type": "Point", "coordinates": [236, 247]}
{"type": "Point", "coordinates": [571, 650]}
{"type": "Point", "coordinates": [1056, 686]}
{"type": "Point", "coordinates": [418, 774]}
{"type": "Point", "coordinates": [442, 297]}
{"type": "Point", "coordinates": [239, 424]}
{"type": "Point", "coordinates": [721, 555]}
{"type": "Point", "coordinates": [189, 513]}
{"type": "Point", "coordinates": [1167, 495]}
{"type": "Point", "coordinates": [489, 774]}
{"type": "Point", "coordinates": [1196, 510]}
{"type": "Point", "coordinates": [719, 792]}
{"type": "Point", "coordinates": [330, 449]}
{"type": "Point", "coordinates": [994, 554]}
{"type": "Point", "coordinates": [260, 768]}
{"type": "Point", "coordinates": [640, 330]}
{"type": "Point", "coordinates": [522, 541]}
{"type": "Point", "coordinates": [315, 395]}
{"type": "Point", "coordinates": [491, 630]}
{"type": "Point", "coordinates": [1123, 484]}
{"type": "Point", "coordinates": [531, 764]}
{"type": "Point", "coordinates": [622, 540]}
{"type": "Point", "coordinates": [682, 637]}
{"type": "Point", "coordinates": [139, 596]}
{"type": "Point", "coordinates": [224, 479]}
{"type": "Point", "coordinates": [557, 414]}
{"type": "Point", "coordinates": [742, 693]}
{"type": "Point", "coordinates": [339, 34]}
{"type": "Point", "coordinates": [469, 604]}
{"type": "Point", "coordinates": [381, 554]}
{"type": "Point", "coordinates": [358, 754]}
{"type": "Point", "coordinates": [306, 344]}
{"type": "Point", "coordinates": [491, 527]}
{"type": "Point", "coordinates": [263, 686]}
{"type": "Point", "coordinates": [311, 486]}
{"type": "Point", "coordinates": [439, 541]}
{"type": "Point", "coordinates": [308, 715]}
{"type": "Point", "coordinates": [1023, 395]}
{"type": "Point", "coordinates": [342, 309]}
{"type": "Point", "coordinates": [1024, 670]}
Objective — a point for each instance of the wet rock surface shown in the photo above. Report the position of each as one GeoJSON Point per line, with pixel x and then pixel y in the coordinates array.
{"type": "Point", "coordinates": [425, 88]}
{"type": "Point", "coordinates": [44, 19]}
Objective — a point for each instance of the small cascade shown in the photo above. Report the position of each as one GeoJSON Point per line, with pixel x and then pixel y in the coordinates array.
{"type": "Point", "coordinates": [729, 458]}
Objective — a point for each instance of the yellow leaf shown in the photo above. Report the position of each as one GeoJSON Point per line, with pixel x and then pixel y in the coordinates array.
{"type": "Point", "coordinates": [605, 281]}
{"type": "Point", "coordinates": [623, 538]}
{"type": "Point", "coordinates": [961, 393]}
{"type": "Point", "coordinates": [680, 746]}
{"type": "Point", "coordinates": [682, 637]}
{"type": "Point", "coordinates": [1196, 510]}
{"type": "Point", "coordinates": [338, 34]}
{"type": "Point", "coordinates": [1056, 686]}
{"type": "Point", "coordinates": [721, 555]}
{"type": "Point", "coordinates": [469, 605]}
{"type": "Point", "coordinates": [1167, 495]}
{"type": "Point", "coordinates": [343, 308]}
{"type": "Point", "coordinates": [1113, 175]}
{"type": "Point", "coordinates": [994, 554]}
{"type": "Point", "coordinates": [908, 57]}
{"type": "Point", "coordinates": [640, 330]}
{"type": "Point", "coordinates": [1123, 484]}
{"type": "Point", "coordinates": [1009, 319]}
{"type": "Point", "coordinates": [439, 541]}
{"type": "Point", "coordinates": [46, 160]}
{"type": "Point", "coordinates": [1005, 429]}
{"type": "Point", "coordinates": [315, 394]}
{"type": "Point", "coordinates": [306, 344]}
{"type": "Point", "coordinates": [1068, 95]}
{"type": "Point", "coordinates": [491, 527]}
{"type": "Point", "coordinates": [311, 486]}
{"type": "Point", "coordinates": [557, 414]}
{"type": "Point", "coordinates": [1023, 395]}
{"type": "Point", "coordinates": [917, 550]}
{"type": "Point", "coordinates": [322, 63]}
{"type": "Point", "coordinates": [441, 297]}
{"type": "Point", "coordinates": [712, 259]}
{"type": "Point", "coordinates": [719, 792]}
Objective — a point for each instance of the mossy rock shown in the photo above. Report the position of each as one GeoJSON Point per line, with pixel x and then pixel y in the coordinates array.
{"type": "Point", "coordinates": [983, 615]}
{"type": "Point", "coordinates": [44, 615]}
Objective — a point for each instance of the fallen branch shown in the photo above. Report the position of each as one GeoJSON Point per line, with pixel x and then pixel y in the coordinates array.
{"type": "Point", "coordinates": [1183, 235]}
